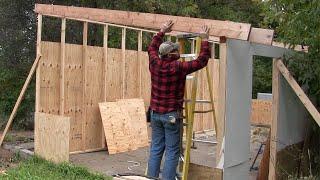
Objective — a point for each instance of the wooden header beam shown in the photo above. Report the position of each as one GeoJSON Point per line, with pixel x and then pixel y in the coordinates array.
{"type": "Point", "coordinates": [146, 20]}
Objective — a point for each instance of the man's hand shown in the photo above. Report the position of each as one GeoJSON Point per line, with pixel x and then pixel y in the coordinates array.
{"type": "Point", "coordinates": [166, 27]}
{"type": "Point", "coordinates": [204, 32]}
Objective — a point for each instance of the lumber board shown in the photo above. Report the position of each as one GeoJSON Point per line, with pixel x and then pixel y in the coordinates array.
{"type": "Point", "coordinates": [299, 92]}
{"type": "Point", "coordinates": [20, 98]}
{"type": "Point", "coordinates": [264, 163]}
{"type": "Point", "coordinates": [84, 81]}
{"type": "Point", "coordinates": [146, 20]}
{"type": "Point", "coordinates": [62, 59]}
{"type": "Point", "coordinates": [140, 35]}
{"type": "Point", "coordinates": [222, 98]}
{"type": "Point", "coordinates": [51, 135]}
{"type": "Point", "coordinates": [94, 95]}
{"type": "Point", "coordinates": [275, 117]}
{"type": "Point", "coordinates": [124, 125]}
{"type": "Point", "coordinates": [261, 112]}
{"type": "Point", "coordinates": [261, 36]}
{"type": "Point", "coordinates": [105, 61]}
{"type": "Point", "coordinates": [73, 92]}
{"type": "Point", "coordinates": [39, 32]}
{"type": "Point", "coordinates": [49, 95]}
{"type": "Point", "coordinates": [123, 57]}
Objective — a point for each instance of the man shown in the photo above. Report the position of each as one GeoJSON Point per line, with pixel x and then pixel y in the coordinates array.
{"type": "Point", "coordinates": [168, 76]}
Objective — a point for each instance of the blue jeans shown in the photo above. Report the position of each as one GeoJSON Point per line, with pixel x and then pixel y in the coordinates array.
{"type": "Point", "coordinates": [165, 137]}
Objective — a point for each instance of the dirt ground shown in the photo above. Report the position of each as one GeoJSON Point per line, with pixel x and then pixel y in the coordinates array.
{"type": "Point", "coordinates": [9, 159]}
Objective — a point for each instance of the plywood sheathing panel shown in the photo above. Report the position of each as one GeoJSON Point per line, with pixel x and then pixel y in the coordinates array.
{"type": "Point", "coordinates": [73, 83]}
{"type": "Point", "coordinates": [51, 135]}
{"type": "Point", "coordinates": [94, 95]}
{"type": "Point", "coordinates": [261, 112]}
{"type": "Point", "coordinates": [145, 78]}
{"type": "Point", "coordinates": [132, 74]}
{"type": "Point", "coordinates": [114, 75]}
{"type": "Point", "coordinates": [146, 20]}
{"type": "Point", "coordinates": [124, 125]}
{"type": "Point", "coordinates": [49, 78]}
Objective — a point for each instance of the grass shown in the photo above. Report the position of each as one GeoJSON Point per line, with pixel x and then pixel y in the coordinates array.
{"type": "Point", "coordinates": [36, 168]}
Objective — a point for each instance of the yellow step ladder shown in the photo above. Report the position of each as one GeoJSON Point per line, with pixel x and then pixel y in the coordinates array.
{"type": "Point", "coordinates": [190, 104]}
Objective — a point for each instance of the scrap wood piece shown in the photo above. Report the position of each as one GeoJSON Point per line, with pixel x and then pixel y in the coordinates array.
{"type": "Point", "coordinates": [20, 98]}
{"type": "Point", "coordinates": [51, 137]}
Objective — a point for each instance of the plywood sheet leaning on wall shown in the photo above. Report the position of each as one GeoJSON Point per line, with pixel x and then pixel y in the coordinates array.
{"type": "Point", "coordinates": [124, 125]}
{"type": "Point", "coordinates": [138, 125]}
{"type": "Point", "coordinates": [51, 137]}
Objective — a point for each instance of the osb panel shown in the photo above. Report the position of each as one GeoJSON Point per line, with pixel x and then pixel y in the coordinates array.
{"type": "Point", "coordinates": [124, 125]}
{"type": "Point", "coordinates": [50, 78]}
{"type": "Point", "coordinates": [74, 94]}
{"type": "Point", "coordinates": [51, 135]}
{"type": "Point", "coordinates": [93, 95]}
{"type": "Point", "coordinates": [114, 74]}
{"type": "Point", "coordinates": [261, 112]}
{"type": "Point", "coordinates": [132, 74]}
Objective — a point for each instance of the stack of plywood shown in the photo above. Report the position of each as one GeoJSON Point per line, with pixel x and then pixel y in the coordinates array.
{"type": "Point", "coordinates": [124, 124]}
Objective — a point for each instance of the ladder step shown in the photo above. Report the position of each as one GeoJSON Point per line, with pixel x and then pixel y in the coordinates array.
{"type": "Point", "coordinates": [188, 55]}
{"type": "Point", "coordinates": [189, 77]}
{"type": "Point", "coordinates": [211, 110]}
{"type": "Point", "coordinates": [204, 141]}
{"type": "Point", "coordinates": [198, 101]}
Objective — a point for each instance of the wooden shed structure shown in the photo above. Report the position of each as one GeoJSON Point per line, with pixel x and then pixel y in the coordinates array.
{"type": "Point", "coordinates": [72, 79]}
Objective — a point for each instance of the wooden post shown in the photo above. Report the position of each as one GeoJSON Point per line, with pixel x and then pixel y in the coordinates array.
{"type": "Point", "coordinates": [140, 63]}
{"type": "Point", "coordinates": [62, 57]}
{"type": "Point", "coordinates": [123, 49]}
{"type": "Point", "coordinates": [274, 121]}
{"type": "Point", "coordinates": [39, 31]}
{"type": "Point", "coordinates": [20, 98]}
{"type": "Point", "coordinates": [221, 103]}
{"type": "Point", "coordinates": [84, 79]}
{"type": "Point", "coordinates": [105, 59]}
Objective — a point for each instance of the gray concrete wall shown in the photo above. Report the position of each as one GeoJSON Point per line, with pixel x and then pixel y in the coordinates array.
{"type": "Point", "coordinates": [291, 124]}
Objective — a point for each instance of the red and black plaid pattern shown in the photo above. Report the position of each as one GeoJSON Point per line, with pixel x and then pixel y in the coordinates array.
{"type": "Point", "coordinates": [168, 76]}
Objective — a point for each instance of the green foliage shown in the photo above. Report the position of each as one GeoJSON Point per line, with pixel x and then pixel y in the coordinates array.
{"type": "Point", "coordinates": [262, 76]}
{"type": "Point", "coordinates": [297, 22]}
{"type": "Point", "coordinates": [37, 168]}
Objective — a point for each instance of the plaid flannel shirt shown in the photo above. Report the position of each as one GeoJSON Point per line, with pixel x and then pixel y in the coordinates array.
{"type": "Point", "coordinates": [168, 77]}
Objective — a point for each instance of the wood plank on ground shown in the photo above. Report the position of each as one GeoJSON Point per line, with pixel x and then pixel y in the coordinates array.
{"type": "Point", "coordinates": [51, 137]}
{"type": "Point", "coordinates": [124, 125]}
